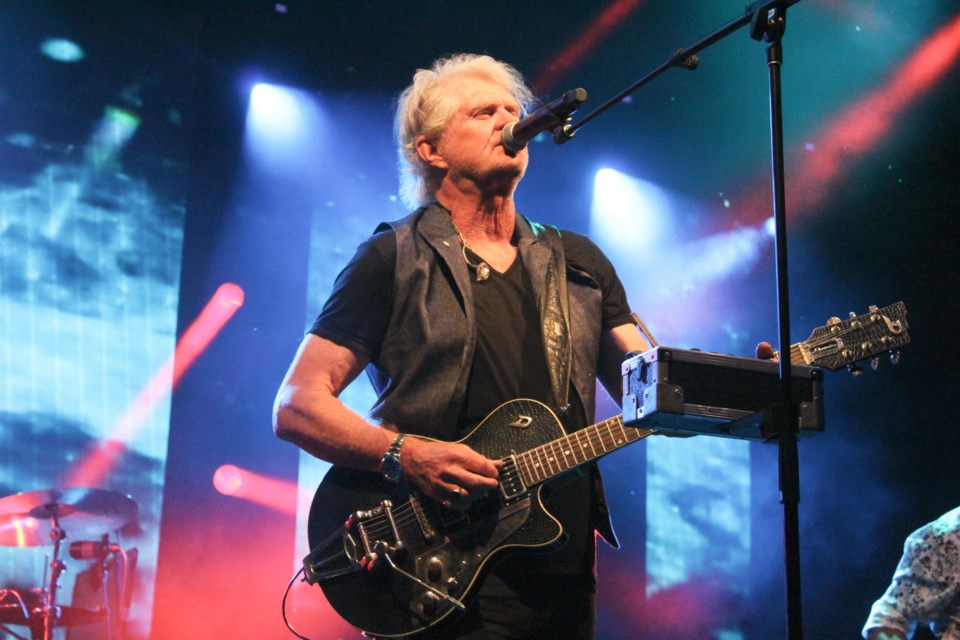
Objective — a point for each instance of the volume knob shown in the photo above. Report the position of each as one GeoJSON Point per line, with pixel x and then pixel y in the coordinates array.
{"type": "Point", "coordinates": [434, 569]}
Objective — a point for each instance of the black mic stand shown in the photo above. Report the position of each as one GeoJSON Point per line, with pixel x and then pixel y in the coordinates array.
{"type": "Point", "coordinates": [767, 19]}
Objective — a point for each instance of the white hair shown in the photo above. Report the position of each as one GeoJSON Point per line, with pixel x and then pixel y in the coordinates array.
{"type": "Point", "coordinates": [425, 107]}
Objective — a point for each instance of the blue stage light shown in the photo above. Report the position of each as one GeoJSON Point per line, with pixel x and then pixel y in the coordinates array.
{"type": "Point", "coordinates": [62, 50]}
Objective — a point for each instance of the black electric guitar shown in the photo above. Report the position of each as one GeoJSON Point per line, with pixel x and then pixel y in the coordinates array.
{"type": "Point", "coordinates": [429, 558]}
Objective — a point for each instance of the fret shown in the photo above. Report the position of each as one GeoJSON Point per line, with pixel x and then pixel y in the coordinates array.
{"type": "Point", "coordinates": [572, 450]}
{"type": "Point", "coordinates": [616, 427]}
{"type": "Point", "coordinates": [561, 456]}
{"type": "Point", "coordinates": [573, 446]}
{"type": "Point", "coordinates": [551, 455]}
{"type": "Point", "coordinates": [596, 439]}
{"type": "Point", "coordinates": [590, 441]}
{"type": "Point", "coordinates": [534, 467]}
{"type": "Point", "coordinates": [523, 464]}
{"type": "Point", "coordinates": [583, 448]}
{"type": "Point", "coordinates": [623, 431]}
{"type": "Point", "coordinates": [550, 458]}
{"type": "Point", "coordinates": [529, 474]}
{"type": "Point", "coordinates": [556, 449]}
{"type": "Point", "coordinates": [609, 439]}
{"type": "Point", "coordinates": [796, 353]}
{"type": "Point", "coordinates": [569, 453]}
{"type": "Point", "coordinates": [603, 441]}
{"type": "Point", "coordinates": [538, 465]}
{"type": "Point", "coordinates": [564, 450]}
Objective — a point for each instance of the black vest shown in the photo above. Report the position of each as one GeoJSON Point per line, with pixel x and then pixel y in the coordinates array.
{"type": "Point", "coordinates": [427, 352]}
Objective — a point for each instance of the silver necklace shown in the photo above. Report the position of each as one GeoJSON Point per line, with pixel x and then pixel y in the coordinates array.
{"type": "Point", "coordinates": [481, 267]}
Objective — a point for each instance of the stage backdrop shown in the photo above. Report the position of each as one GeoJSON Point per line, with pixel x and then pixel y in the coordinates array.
{"type": "Point", "coordinates": [197, 174]}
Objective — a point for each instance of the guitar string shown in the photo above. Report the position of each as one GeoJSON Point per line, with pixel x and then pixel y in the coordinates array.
{"type": "Point", "coordinates": [379, 526]}
{"type": "Point", "coordinates": [556, 453]}
{"type": "Point", "coordinates": [403, 514]}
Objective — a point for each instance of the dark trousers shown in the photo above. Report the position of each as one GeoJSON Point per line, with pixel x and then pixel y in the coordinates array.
{"type": "Point", "coordinates": [526, 606]}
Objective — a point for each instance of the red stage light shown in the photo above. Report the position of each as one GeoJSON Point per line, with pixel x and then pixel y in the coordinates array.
{"type": "Point", "coordinates": [279, 495]}
{"type": "Point", "coordinates": [228, 480]}
{"type": "Point", "coordinates": [93, 467]}
{"type": "Point", "coordinates": [860, 127]}
{"type": "Point", "coordinates": [609, 18]}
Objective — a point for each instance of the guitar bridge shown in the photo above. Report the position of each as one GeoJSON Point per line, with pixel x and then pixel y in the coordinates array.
{"type": "Point", "coordinates": [358, 549]}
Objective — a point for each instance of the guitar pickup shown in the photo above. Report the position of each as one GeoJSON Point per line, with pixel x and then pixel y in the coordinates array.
{"type": "Point", "coordinates": [511, 480]}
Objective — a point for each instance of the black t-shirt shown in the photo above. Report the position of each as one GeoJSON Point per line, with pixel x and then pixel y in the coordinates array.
{"type": "Point", "coordinates": [509, 361]}
{"type": "Point", "coordinates": [358, 310]}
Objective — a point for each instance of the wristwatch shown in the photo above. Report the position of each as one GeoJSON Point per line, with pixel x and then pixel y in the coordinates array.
{"type": "Point", "coordinates": [390, 464]}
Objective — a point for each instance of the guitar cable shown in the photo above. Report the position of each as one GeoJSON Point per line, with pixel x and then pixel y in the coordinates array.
{"type": "Point", "coordinates": [283, 605]}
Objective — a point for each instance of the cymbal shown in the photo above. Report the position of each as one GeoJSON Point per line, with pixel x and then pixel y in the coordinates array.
{"type": "Point", "coordinates": [27, 518]}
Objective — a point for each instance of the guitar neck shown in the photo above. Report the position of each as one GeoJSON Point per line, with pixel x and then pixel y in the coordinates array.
{"type": "Point", "coordinates": [578, 448]}
{"type": "Point", "coordinates": [586, 445]}
{"type": "Point", "coordinates": [832, 346]}
{"type": "Point", "coordinates": [796, 354]}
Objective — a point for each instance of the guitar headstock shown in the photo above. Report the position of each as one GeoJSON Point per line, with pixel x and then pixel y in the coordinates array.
{"type": "Point", "coordinates": [844, 343]}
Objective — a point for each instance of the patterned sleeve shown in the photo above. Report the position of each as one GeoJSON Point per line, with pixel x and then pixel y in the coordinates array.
{"type": "Point", "coordinates": [926, 585]}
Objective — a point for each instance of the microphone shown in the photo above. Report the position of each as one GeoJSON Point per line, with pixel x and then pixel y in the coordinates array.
{"type": "Point", "coordinates": [89, 550]}
{"type": "Point", "coordinates": [516, 135]}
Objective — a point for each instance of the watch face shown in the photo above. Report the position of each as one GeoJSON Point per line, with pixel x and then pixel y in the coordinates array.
{"type": "Point", "coordinates": [390, 467]}
{"type": "Point", "coordinates": [390, 464]}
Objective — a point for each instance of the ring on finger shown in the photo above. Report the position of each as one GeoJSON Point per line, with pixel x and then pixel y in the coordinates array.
{"type": "Point", "coordinates": [456, 494]}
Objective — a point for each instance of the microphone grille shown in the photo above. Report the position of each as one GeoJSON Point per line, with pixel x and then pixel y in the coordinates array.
{"type": "Point", "coordinates": [510, 143]}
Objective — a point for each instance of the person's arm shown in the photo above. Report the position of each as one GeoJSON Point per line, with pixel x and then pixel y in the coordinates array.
{"type": "Point", "coordinates": [308, 413]}
{"type": "Point", "coordinates": [615, 344]}
{"type": "Point", "coordinates": [924, 588]}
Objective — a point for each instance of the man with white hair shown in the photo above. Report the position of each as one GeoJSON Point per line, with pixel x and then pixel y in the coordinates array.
{"type": "Point", "coordinates": [454, 310]}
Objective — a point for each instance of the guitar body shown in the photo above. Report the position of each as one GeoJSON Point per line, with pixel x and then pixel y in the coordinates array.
{"type": "Point", "coordinates": [447, 549]}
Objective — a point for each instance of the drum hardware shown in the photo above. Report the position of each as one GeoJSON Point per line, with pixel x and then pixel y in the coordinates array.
{"type": "Point", "coordinates": [44, 517]}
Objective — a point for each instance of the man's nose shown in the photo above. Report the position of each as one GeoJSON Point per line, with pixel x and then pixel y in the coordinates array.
{"type": "Point", "coordinates": [505, 117]}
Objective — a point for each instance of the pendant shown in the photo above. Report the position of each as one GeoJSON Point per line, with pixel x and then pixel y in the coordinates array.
{"type": "Point", "coordinates": [483, 271]}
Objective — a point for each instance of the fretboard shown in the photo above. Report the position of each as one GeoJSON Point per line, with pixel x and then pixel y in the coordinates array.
{"type": "Point", "coordinates": [553, 458]}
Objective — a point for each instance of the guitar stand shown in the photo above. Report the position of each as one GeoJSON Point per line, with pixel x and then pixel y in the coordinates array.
{"type": "Point", "coordinates": [767, 19]}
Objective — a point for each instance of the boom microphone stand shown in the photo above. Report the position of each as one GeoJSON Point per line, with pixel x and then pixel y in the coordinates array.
{"type": "Point", "coordinates": [767, 20]}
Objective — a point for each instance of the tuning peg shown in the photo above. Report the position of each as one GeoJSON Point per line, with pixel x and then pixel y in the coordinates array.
{"type": "Point", "coordinates": [855, 369]}
{"type": "Point", "coordinates": [895, 357]}
{"type": "Point", "coordinates": [852, 315]}
{"type": "Point", "coordinates": [834, 323]}
{"type": "Point", "coordinates": [872, 308]}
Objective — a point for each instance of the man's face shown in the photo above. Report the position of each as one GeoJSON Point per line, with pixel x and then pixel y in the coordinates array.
{"type": "Point", "coordinates": [471, 144]}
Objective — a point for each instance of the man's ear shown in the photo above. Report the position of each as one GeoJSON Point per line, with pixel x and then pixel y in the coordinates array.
{"type": "Point", "coordinates": [429, 153]}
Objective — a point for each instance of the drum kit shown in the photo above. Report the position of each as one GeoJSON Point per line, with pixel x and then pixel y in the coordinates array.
{"type": "Point", "coordinates": [48, 517]}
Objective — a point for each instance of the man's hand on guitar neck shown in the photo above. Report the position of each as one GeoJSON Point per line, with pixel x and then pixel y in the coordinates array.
{"type": "Point", "coordinates": [449, 472]}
